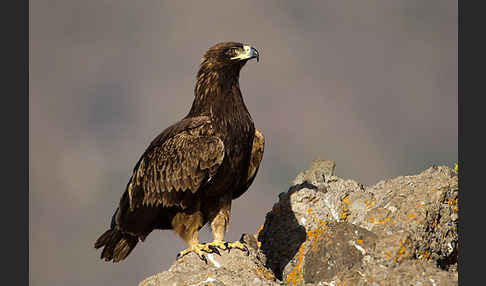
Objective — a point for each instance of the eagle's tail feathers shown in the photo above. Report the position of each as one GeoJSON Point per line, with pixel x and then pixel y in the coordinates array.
{"type": "Point", "coordinates": [117, 245]}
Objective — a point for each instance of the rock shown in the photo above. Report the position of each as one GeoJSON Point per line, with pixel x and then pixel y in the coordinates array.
{"type": "Point", "coordinates": [339, 227]}
{"type": "Point", "coordinates": [339, 248]}
{"type": "Point", "coordinates": [329, 231]}
{"type": "Point", "coordinates": [319, 172]}
{"type": "Point", "coordinates": [412, 272]}
{"type": "Point", "coordinates": [301, 218]}
{"type": "Point", "coordinates": [233, 268]}
{"type": "Point", "coordinates": [420, 211]}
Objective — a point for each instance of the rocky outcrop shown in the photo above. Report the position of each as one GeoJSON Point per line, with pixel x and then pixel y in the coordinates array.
{"type": "Point", "coordinates": [329, 231]}
{"type": "Point", "coordinates": [229, 268]}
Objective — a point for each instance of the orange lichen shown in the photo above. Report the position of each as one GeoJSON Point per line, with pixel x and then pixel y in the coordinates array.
{"type": "Point", "coordinates": [453, 204]}
{"type": "Point", "coordinates": [295, 276]}
{"type": "Point", "coordinates": [344, 210]}
{"type": "Point", "coordinates": [385, 219]}
{"type": "Point", "coordinates": [257, 233]}
{"type": "Point", "coordinates": [372, 219]}
{"type": "Point", "coordinates": [424, 254]}
{"type": "Point", "coordinates": [314, 236]}
{"type": "Point", "coordinates": [369, 203]}
{"type": "Point", "coordinates": [401, 253]}
{"type": "Point", "coordinates": [401, 250]}
{"type": "Point", "coordinates": [346, 200]}
{"type": "Point", "coordinates": [360, 241]}
{"type": "Point", "coordinates": [258, 230]}
{"type": "Point", "coordinates": [265, 273]}
{"type": "Point", "coordinates": [411, 215]}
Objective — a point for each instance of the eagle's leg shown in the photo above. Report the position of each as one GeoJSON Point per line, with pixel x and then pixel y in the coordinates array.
{"type": "Point", "coordinates": [187, 227]}
{"type": "Point", "coordinates": [219, 225]}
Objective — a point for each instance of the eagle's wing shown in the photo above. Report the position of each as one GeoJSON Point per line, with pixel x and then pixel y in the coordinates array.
{"type": "Point", "coordinates": [179, 162]}
{"type": "Point", "coordinates": [257, 149]}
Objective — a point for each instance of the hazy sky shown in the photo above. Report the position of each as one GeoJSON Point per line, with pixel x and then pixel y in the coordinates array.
{"type": "Point", "coordinates": [371, 85]}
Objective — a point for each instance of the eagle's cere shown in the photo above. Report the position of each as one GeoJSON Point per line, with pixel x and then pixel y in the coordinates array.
{"type": "Point", "coordinates": [190, 173]}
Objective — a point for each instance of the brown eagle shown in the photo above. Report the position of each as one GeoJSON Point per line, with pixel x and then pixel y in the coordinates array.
{"type": "Point", "coordinates": [190, 173]}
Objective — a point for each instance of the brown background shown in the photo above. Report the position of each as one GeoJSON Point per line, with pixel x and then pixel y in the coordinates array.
{"type": "Point", "coordinates": [369, 84]}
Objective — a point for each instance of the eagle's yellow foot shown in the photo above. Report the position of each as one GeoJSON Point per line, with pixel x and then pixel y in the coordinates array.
{"type": "Point", "coordinates": [237, 245]}
{"type": "Point", "coordinates": [215, 244]}
{"type": "Point", "coordinates": [198, 249]}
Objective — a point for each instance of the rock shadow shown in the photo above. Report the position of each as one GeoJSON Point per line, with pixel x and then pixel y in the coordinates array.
{"type": "Point", "coordinates": [282, 235]}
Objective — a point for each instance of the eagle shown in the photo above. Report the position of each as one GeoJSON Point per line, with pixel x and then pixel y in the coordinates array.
{"type": "Point", "coordinates": [190, 173]}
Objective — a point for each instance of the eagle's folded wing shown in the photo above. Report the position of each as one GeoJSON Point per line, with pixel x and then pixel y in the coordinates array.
{"type": "Point", "coordinates": [256, 156]}
{"type": "Point", "coordinates": [183, 163]}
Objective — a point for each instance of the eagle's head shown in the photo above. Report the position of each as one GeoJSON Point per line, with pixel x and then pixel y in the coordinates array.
{"type": "Point", "coordinates": [218, 76]}
{"type": "Point", "coordinates": [228, 55]}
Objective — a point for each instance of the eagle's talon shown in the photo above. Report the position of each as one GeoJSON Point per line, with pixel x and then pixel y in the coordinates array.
{"type": "Point", "coordinates": [198, 249]}
{"type": "Point", "coordinates": [214, 249]}
{"type": "Point", "coordinates": [238, 245]}
{"type": "Point", "coordinates": [203, 258]}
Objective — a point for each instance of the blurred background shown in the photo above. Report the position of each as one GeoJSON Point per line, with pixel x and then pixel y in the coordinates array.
{"type": "Point", "coordinates": [371, 85]}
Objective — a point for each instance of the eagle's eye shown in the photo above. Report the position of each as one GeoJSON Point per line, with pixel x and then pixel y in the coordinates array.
{"type": "Point", "coordinates": [243, 53]}
{"type": "Point", "coordinates": [233, 52]}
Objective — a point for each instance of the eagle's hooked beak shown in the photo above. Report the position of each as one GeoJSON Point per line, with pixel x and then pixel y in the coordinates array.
{"type": "Point", "coordinates": [247, 53]}
{"type": "Point", "coordinates": [254, 54]}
